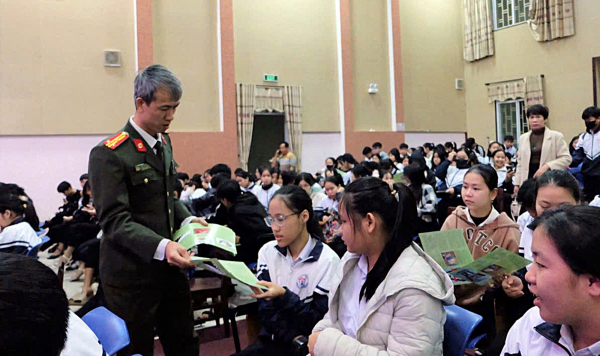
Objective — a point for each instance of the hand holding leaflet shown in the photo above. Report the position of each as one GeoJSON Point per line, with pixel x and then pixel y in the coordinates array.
{"type": "Point", "coordinates": [232, 269]}
{"type": "Point", "coordinates": [215, 235]}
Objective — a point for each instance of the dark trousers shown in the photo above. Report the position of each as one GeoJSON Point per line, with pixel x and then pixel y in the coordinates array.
{"type": "Point", "coordinates": [591, 187]}
{"type": "Point", "coordinates": [266, 347]}
{"type": "Point", "coordinates": [165, 304]}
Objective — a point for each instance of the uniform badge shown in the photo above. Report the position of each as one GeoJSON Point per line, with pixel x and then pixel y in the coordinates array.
{"type": "Point", "coordinates": [142, 167]}
{"type": "Point", "coordinates": [302, 281]}
{"type": "Point", "coordinates": [139, 145]}
{"type": "Point", "coordinates": [116, 140]}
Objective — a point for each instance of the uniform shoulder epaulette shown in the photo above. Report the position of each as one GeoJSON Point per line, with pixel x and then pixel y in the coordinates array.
{"type": "Point", "coordinates": [116, 140]}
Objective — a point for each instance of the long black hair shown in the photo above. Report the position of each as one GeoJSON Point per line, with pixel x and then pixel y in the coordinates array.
{"type": "Point", "coordinates": [297, 200]}
{"type": "Point", "coordinates": [13, 198]}
{"type": "Point", "coordinates": [372, 195]}
{"type": "Point", "coordinates": [416, 175]}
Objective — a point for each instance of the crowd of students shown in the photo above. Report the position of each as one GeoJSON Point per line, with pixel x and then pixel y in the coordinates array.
{"type": "Point", "coordinates": [339, 254]}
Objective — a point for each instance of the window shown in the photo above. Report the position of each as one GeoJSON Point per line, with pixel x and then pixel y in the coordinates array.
{"type": "Point", "coordinates": [510, 12]}
{"type": "Point", "coordinates": [596, 73]}
{"type": "Point", "coordinates": [511, 119]}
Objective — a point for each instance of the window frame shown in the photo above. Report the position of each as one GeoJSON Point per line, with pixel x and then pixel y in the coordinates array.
{"type": "Point", "coordinates": [495, 10]}
{"type": "Point", "coordinates": [520, 109]}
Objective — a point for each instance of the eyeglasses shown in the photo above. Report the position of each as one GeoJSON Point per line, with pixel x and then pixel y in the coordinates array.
{"type": "Point", "coordinates": [278, 219]}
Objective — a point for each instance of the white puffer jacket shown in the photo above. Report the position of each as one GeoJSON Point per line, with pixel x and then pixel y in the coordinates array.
{"type": "Point", "coordinates": [405, 316]}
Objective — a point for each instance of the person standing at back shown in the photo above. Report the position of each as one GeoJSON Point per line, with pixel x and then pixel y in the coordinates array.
{"type": "Point", "coordinates": [132, 176]}
{"type": "Point", "coordinates": [587, 153]}
{"type": "Point", "coordinates": [284, 158]}
{"type": "Point", "coordinates": [540, 149]}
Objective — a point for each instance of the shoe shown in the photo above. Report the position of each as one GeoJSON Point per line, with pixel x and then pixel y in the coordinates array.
{"type": "Point", "coordinates": [74, 265]}
{"type": "Point", "coordinates": [52, 249]}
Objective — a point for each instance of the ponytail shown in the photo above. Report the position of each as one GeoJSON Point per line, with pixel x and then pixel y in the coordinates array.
{"type": "Point", "coordinates": [297, 200]}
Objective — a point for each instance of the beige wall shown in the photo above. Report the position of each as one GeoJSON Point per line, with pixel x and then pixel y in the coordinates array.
{"type": "Point", "coordinates": [370, 56]}
{"type": "Point", "coordinates": [432, 59]}
{"type": "Point", "coordinates": [295, 39]}
{"type": "Point", "coordinates": [566, 64]}
{"type": "Point", "coordinates": [185, 40]}
{"type": "Point", "coordinates": [52, 78]}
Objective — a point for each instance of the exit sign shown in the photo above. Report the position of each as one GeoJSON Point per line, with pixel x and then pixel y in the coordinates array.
{"type": "Point", "coordinates": [271, 78]}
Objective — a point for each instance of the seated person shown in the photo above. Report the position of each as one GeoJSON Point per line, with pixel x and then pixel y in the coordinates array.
{"type": "Point", "coordinates": [16, 235]}
{"type": "Point", "coordinates": [246, 217]}
{"type": "Point", "coordinates": [328, 207]}
{"type": "Point", "coordinates": [388, 295]}
{"type": "Point", "coordinates": [484, 229]}
{"type": "Point", "coordinates": [462, 160]}
{"type": "Point", "coordinates": [296, 268]}
{"type": "Point", "coordinates": [267, 189]}
{"type": "Point", "coordinates": [245, 179]}
{"type": "Point", "coordinates": [207, 204]}
{"type": "Point", "coordinates": [425, 196]}
{"type": "Point", "coordinates": [307, 182]}
{"type": "Point", "coordinates": [360, 170]}
{"type": "Point", "coordinates": [71, 200]}
{"type": "Point", "coordinates": [565, 278]}
{"type": "Point", "coordinates": [35, 315]}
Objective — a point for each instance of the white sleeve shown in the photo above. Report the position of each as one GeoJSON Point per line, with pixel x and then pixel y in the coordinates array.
{"type": "Point", "coordinates": [81, 340]}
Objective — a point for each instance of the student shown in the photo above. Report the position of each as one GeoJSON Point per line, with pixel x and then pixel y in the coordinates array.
{"type": "Point", "coordinates": [368, 153]}
{"type": "Point", "coordinates": [360, 171]}
{"type": "Point", "coordinates": [440, 164]}
{"type": "Point", "coordinates": [475, 147]}
{"type": "Point", "coordinates": [267, 189]}
{"type": "Point", "coordinates": [450, 147]}
{"type": "Point", "coordinates": [493, 147]}
{"type": "Point", "coordinates": [245, 180]}
{"type": "Point", "coordinates": [330, 163]}
{"type": "Point", "coordinates": [387, 294]}
{"type": "Point", "coordinates": [16, 235]}
{"type": "Point", "coordinates": [387, 177]}
{"type": "Point", "coordinates": [526, 198]}
{"type": "Point", "coordinates": [396, 161]}
{"type": "Point", "coordinates": [332, 185]}
{"type": "Point", "coordinates": [573, 145]}
{"type": "Point", "coordinates": [378, 149]}
{"type": "Point", "coordinates": [297, 268]}
{"type": "Point", "coordinates": [428, 153]}
{"type": "Point", "coordinates": [289, 177]}
{"type": "Point", "coordinates": [245, 216]}
{"type": "Point", "coordinates": [418, 157]}
{"type": "Point", "coordinates": [346, 163]}
{"type": "Point", "coordinates": [587, 153]}
{"type": "Point", "coordinates": [509, 147]}
{"type": "Point", "coordinates": [29, 213]}
{"type": "Point", "coordinates": [565, 277]}
{"type": "Point", "coordinates": [484, 229]}
{"type": "Point", "coordinates": [425, 197]}
{"type": "Point", "coordinates": [452, 185]}
{"type": "Point", "coordinates": [275, 175]}
{"type": "Point", "coordinates": [505, 177]}
{"type": "Point", "coordinates": [403, 149]}
{"type": "Point", "coordinates": [331, 216]}
{"type": "Point", "coordinates": [307, 182]}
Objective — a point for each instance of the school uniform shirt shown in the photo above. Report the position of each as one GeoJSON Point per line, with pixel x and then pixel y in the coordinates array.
{"type": "Point", "coordinates": [428, 200]}
{"type": "Point", "coordinates": [352, 306]}
{"type": "Point", "coordinates": [512, 150]}
{"type": "Point", "coordinates": [264, 195]}
{"type": "Point", "coordinates": [250, 187]}
{"type": "Point", "coordinates": [502, 172]}
{"type": "Point", "coordinates": [327, 204]}
{"type": "Point", "coordinates": [383, 155]}
{"type": "Point", "coordinates": [587, 152]}
{"type": "Point", "coordinates": [306, 280]}
{"type": "Point", "coordinates": [455, 177]}
{"type": "Point", "coordinates": [81, 340]}
{"type": "Point", "coordinates": [19, 235]}
{"type": "Point", "coordinates": [532, 335]}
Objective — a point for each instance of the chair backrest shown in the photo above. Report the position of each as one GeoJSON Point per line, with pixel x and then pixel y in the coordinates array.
{"type": "Point", "coordinates": [109, 328]}
{"type": "Point", "coordinates": [34, 251]}
{"type": "Point", "coordinates": [460, 323]}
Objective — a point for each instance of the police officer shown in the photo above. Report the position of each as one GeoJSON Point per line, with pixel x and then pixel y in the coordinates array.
{"type": "Point", "coordinates": [132, 177]}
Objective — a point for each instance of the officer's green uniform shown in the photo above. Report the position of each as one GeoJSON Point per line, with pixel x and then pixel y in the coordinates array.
{"type": "Point", "coordinates": [132, 190]}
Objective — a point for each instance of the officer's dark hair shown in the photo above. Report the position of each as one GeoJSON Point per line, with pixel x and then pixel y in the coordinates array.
{"type": "Point", "coordinates": [156, 78]}
{"type": "Point", "coordinates": [592, 111]}
{"type": "Point", "coordinates": [403, 146]}
{"type": "Point", "coordinates": [372, 195]}
{"type": "Point", "coordinates": [305, 176]}
{"type": "Point", "coordinates": [288, 177]}
{"type": "Point", "coordinates": [178, 187]}
{"type": "Point", "coordinates": [509, 138]}
{"type": "Point", "coordinates": [366, 150]}
{"type": "Point", "coordinates": [377, 145]}
{"type": "Point", "coordinates": [361, 170]}
{"type": "Point", "coordinates": [220, 168]}
{"type": "Point", "coordinates": [218, 179]}
{"type": "Point", "coordinates": [559, 178]}
{"type": "Point", "coordinates": [538, 109]}
{"type": "Point", "coordinates": [84, 176]}
{"type": "Point", "coordinates": [183, 176]}
{"type": "Point", "coordinates": [526, 194]}
{"type": "Point", "coordinates": [575, 232]}
{"type": "Point", "coordinates": [33, 308]}
{"type": "Point", "coordinates": [229, 189]}
{"type": "Point", "coordinates": [63, 187]}
{"type": "Point", "coordinates": [297, 200]}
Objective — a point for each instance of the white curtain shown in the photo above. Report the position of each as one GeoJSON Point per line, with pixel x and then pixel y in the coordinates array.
{"type": "Point", "coordinates": [551, 19]}
{"type": "Point", "coordinates": [534, 92]}
{"type": "Point", "coordinates": [478, 30]}
{"type": "Point", "coordinates": [268, 99]}
{"type": "Point", "coordinates": [292, 104]}
{"type": "Point", "coordinates": [245, 121]}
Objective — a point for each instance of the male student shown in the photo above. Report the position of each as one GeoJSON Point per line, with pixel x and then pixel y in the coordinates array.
{"type": "Point", "coordinates": [378, 149]}
{"type": "Point", "coordinates": [588, 153]}
{"type": "Point", "coordinates": [565, 278]}
{"type": "Point", "coordinates": [509, 147]}
{"type": "Point", "coordinates": [403, 149]}
{"type": "Point", "coordinates": [368, 153]}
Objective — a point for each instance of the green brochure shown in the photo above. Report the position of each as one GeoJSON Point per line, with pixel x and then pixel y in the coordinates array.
{"type": "Point", "coordinates": [482, 270]}
{"type": "Point", "coordinates": [232, 269]}
{"type": "Point", "coordinates": [399, 178]}
{"type": "Point", "coordinates": [448, 248]}
{"type": "Point", "coordinates": [215, 235]}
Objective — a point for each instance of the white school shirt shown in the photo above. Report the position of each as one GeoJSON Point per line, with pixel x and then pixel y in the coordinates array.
{"type": "Point", "coordinates": [352, 306]}
{"type": "Point", "coordinates": [264, 196]}
{"type": "Point", "coordinates": [502, 172]}
{"type": "Point", "coordinates": [81, 340]}
{"type": "Point", "coordinates": [328, 204]}
{"type": "Point", "coordinates": [455, 176]}
{"type": "Point", "coordinates": [20, 234]}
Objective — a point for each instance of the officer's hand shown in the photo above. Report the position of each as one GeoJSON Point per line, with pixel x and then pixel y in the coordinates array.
{"type": "Point", "coordinates": [178, 256]}
{"type": "Point", "coordinates": [199, 221]}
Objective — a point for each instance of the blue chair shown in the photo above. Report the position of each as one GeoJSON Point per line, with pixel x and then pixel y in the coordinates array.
{"type": "Point", "coordinates": [34, 251]}
{"type": "Point", "coordinates": [109, 328]}
{"type": "Point", "coordinates": [459, 326]}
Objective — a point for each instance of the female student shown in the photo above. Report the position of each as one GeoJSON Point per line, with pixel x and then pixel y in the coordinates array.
{"type": "Point", "coordinates": [424, 196]}
{"type": "Point", "coordinates": [245, 180]}
{"type": "Point", "coordinates": [387, 295]}
{"type": "Point", "coordinates": [311, 187]}
{"type": "Point", "coordinates": [267, 189]}
{"type": "Point", "coordinates": [331, 216]}
{"type": "Point", "coordinates": [440, 164]}
{"type": "Point", "coordinates": [16, 235]}
{"type": "Point", "coordinates": [396, 161]}
{"type": "Point", "coordinates": [461, 161]}
{"type": "Point", "coordinates": [297, 269]}
{"type": "Point", "coordinates": [332, 185]}
{"type": "Point", "coordinates": [493, 147]}
{"type": "Point", "coordinates": [484, 229]}
{"type": "Point", "coordinates": [565, 278]}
